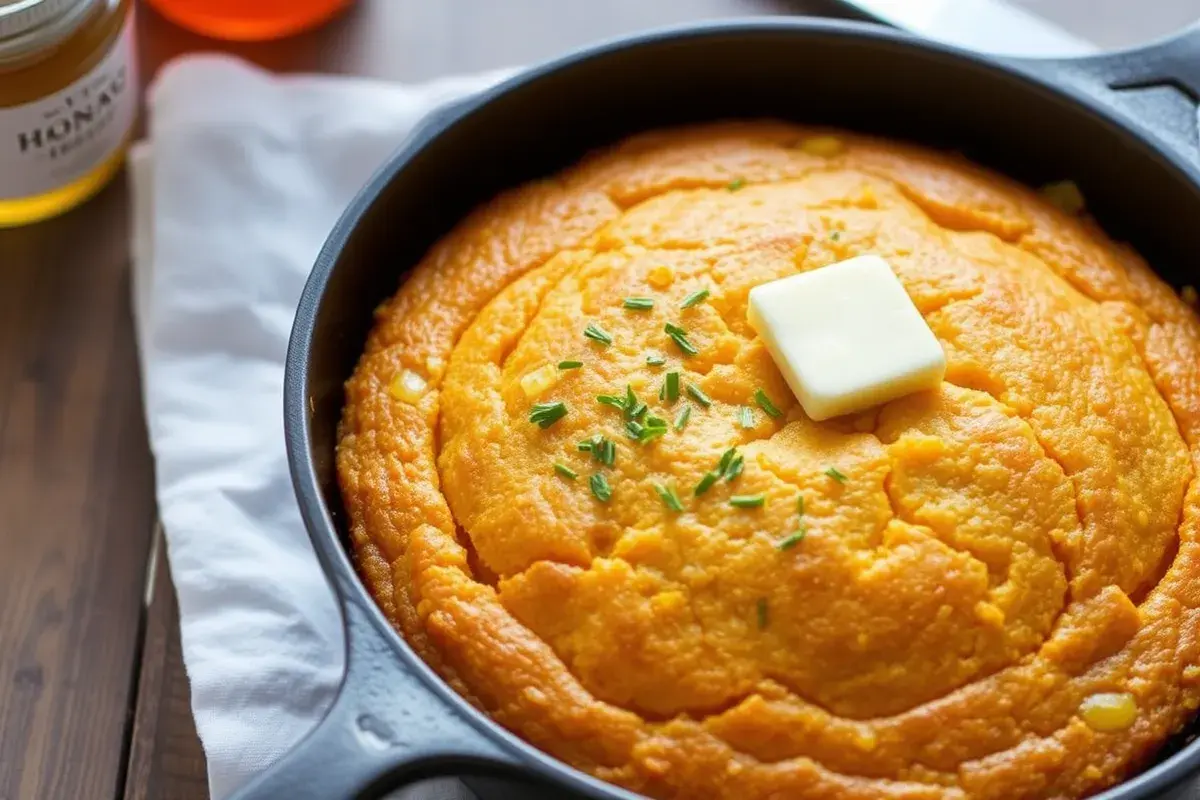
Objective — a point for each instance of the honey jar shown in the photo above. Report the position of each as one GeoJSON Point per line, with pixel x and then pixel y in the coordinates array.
{"type": "Point", "coordinates": [68, 102]}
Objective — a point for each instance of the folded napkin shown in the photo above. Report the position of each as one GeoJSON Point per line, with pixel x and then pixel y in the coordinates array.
{"type": "Point", "coordinates": [243, 176]}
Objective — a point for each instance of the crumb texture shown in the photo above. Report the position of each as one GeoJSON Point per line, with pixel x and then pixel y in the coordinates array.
{"type": "Point", "coordinates": [978, 563]}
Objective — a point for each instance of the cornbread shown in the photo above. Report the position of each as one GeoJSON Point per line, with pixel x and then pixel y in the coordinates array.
{"type": "Point", "coordinates": [578, 485]}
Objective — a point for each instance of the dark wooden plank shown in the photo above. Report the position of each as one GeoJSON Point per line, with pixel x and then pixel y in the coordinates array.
{"type": "Point", "coordinates": [165, 757]}
{"type": "Point", "coordinates": [75, 503]}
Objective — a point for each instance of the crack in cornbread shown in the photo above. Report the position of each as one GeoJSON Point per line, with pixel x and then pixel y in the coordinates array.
{"type": "Point", "coordinates": [999, 552]}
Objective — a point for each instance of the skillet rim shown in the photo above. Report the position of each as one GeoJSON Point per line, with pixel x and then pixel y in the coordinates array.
{"type": "Point", "coordinates": [1060, 79]}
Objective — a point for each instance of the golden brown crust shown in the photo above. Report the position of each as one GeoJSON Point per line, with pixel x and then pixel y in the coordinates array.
{"type": "Point", "coordinates": [1001, 551]}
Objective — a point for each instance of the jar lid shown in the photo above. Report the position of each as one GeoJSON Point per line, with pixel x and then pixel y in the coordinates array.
{"type": "Point", "coordinates": [27, 26]}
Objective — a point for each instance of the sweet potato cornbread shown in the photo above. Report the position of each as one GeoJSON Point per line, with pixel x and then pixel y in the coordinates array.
{"type": "Point", "coordinates": [578, 485]}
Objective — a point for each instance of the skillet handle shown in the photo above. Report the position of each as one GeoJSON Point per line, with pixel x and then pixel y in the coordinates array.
{"type": "Point", "coordinates": [385, 729]}
{"type": "Point", "coordinates": [1155, 86]}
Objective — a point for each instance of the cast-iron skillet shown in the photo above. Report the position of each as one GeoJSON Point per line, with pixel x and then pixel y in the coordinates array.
{"type": "Point", "coordinates": [1123, 126]}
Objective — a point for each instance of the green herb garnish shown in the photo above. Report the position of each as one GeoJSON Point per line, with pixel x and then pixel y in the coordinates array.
{"type": "Point", "coordinates": [735, 184]}
{"type": "Point", "coordinates": [765, 404]}
{"type": "Point", "coordinates": [745, 417]}
{"type": "Point", "coordinates": [598, 334]}
{"type": "Point", "coordinates": [671, 387]}
{"type": "Point", "coordinates": [638, 303]}
{"type": "Point", "coordinates": [747, 500]}
{"type": "Point", "coordinates": [565, 471]}
{"type": "Point", "coordinates": [735, 468]}
{"type": "Point", "coordinates": [695, 298]}
{"type": "Point", "coordinates": [681, 419]}
{"type": "Point", "coordinates": [655, 360]}
{"type": "Point", "coordinates": [726, 460]}
{"type": "Point", "coordinates": [699, 396]}
{"type": "Point", "coordinates": [601, 448]}
{"type": "Point", "coordinates": [836, 474]}
{"type": "Point", "coordinates": [836, 235]}
{"type": "Point", "coordinates": [634, 408]}
{"type": "Point", "coordinates": [546, 414]}
{"type": "Point", "coordinates": [705, 483]}
{"type": "Point", "coordinates": [763, 617]}
{"type": "Point", "coordinates": [791, 540]}
{"type": "Point", "coordinates": [669, 498]}
{"type": "Point", "coordinates": [570, 364]}
{"type": "Point", "coordinates": [679, 337]}
{"type": "Point", "coordinates": [616, 401]}
{"type": "Point", "coordinates": [800, 505]}
{"type": "Point", "coordinates": [652, 428]}
{"type": "Point", "coordinates": [600, 488]}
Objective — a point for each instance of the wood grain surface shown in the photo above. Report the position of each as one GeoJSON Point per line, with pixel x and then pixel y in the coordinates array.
{"type": "Point", "coordinates": [93, 696]}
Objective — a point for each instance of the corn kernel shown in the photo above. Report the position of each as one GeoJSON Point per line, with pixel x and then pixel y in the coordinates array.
{"type": "Point", "coordinates": [1065, 196]}
{"type": "Point", "coordinates": [539, 380]}
{"type": "Point", "coordinates": [408, 386]}
{"type": "Point", "coordinates": [1109, 711]}
{"type": "Point", "coordinates": [660, 277]}
{"type": "Point", "coordinates": [823, 146]}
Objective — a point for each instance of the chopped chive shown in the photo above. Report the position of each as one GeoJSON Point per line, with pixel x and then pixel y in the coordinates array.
{"type": "Point", "coordinates": [698, 395]}
{"type": "Point", "coordinates": [681, 419]}
{"type": "Point", "coordinates": [791, 540]}
{"type": "Point", "coordinates": [634, 429]}
{"type": "Point", "coordinates": [671, 387]}
{"type": "Point", "coordinates": [669, 498]}
{"type": "Point", "coordinates": [745, 417]}
{"type": "Point", "coordinates": [546, 414]}
{"type": "Point", "coordinates": [634, 408]}
{"type": "Point", "coordinates": [763, 617]}
{"type": "Point", "coordinates": [695, 298]}
{"type": "Point", "coordinates": [836, 235]}
{"type": "Point", "coordinates": [607, 452]}
{"type": "Point", "coordinates": [800, 505]}
{"type": "Point", "coordinates": [765, 404]}
{"type": "Point", "coordinates": [735, 184]}
{"type": "Point", "coordinates": [705, 483]}
{"type": "Point", "coordinates": [679, 337]}
{"type": "Point", "coordinates": [747, 500]}
{"type": "Point", "coordinates": [652, 429]}
{"type": "Point", "coordinates": [598, 334]}
{"type": "Point", "coordinates": [655, 360]}
{"type": "Point", "coordinates": [726, 460]}
{"type": "Point", "coordinates": [570, 364]}
{"type": "Point", "coordinates": [600, 488]}
{"type": "Point", "coordinates": [638, 303]}
{"type": "Point", "coordinates": [735, 468]}
{"type": "Point", "coordinates": [662, 393]}
{"type": "Point", "coordinates": [836, 474]}
{"type": "Point", "coordinates": [565, 471]}
{"type": "Point", "coordinates": [611, 400]}
{"type": "Point", "coordinates": [601, 448]}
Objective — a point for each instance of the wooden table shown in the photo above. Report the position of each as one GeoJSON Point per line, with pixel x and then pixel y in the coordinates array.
{"type": "Point", "coordinates": [93, 698]}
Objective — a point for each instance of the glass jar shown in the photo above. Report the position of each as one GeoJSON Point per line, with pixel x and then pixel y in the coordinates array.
{"type": "Point", "coordinates": [248, 19]}
{"type": "Point", "coordinates": [68, 102]}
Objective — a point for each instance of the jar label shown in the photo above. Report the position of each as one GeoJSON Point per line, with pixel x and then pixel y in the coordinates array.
{"type": "Point", "coordinates": [58, 139]}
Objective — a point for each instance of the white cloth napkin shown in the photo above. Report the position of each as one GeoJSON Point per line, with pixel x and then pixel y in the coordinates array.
{"type": "Point", "coordinates": [244, 175]}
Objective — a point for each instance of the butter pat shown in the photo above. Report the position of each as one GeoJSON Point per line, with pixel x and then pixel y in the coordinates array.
{"type": "Point", "coordinates": [846, 337]}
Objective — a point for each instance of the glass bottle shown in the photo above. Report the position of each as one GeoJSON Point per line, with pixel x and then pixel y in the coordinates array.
{"type": "Point", "coordinates": [68, 102]}
{"type": "Point", "coordinates": [248, 19]}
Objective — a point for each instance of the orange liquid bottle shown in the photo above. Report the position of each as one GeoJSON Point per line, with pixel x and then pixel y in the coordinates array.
{"type": "Point", "coordinates": [248, 19]}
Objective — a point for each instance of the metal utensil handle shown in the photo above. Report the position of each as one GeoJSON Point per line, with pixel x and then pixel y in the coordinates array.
{"type": "Point", "coordinates": [384, 730]}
